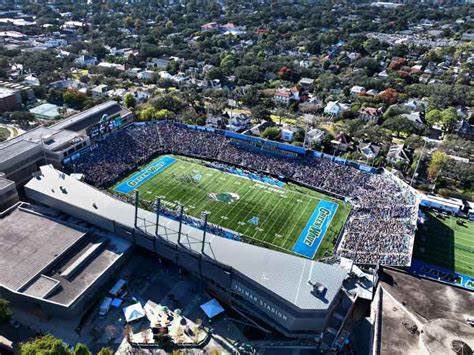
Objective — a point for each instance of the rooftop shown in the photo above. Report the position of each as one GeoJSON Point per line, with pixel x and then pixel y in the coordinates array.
{"type": "Point", "coordinates": [285, 275]}
{"type": "Point", "coordinates": [47, 256]}
{"type": "Point", "coordinates": [5, 92]}
{"type": "Point", "coordinates": [420, 315]}
{"type": "Point", "coordinates": [47, 110]}
{"type": "Point", "coordinates": [29, 243]}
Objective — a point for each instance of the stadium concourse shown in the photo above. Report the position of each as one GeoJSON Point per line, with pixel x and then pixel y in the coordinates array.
{"type": "Point", "coordinates": [382, 224]}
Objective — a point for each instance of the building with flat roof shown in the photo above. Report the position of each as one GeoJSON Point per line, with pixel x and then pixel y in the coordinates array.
{"type": "Point", "coordinates": [295, 296]}
{"type": "Point", "coordinates": [21, 156]}
{"type": "Point", "coordinates": [8, 193]}
{"type": "Point", "coordinates": [46, 111]}
{"type": "Point", "coordinates": [50, 263]}
{"type": "Point", "coordinates": [11, 95]}
{"type": "Point", "coordinates": [88, 120]}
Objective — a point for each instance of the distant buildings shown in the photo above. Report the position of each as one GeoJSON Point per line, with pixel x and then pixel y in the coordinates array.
{"type": "Point", "coordinates": [335, 108]}
{"type": "Point", "coordinates": [85, 61]}
{"type": "Point", "coordinates": [12, 96]}
{"type": "Point", "coordinates": [284, 96]}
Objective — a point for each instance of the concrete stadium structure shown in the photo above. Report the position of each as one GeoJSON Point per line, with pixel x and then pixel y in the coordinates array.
{"type": "Point", "coordinates": [21, 156]}
{"type": "Point", "coordinates": [295, 296]}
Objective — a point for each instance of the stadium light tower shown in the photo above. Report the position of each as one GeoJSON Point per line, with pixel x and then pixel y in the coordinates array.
{"type": "Point", "coordinates": [136, 208]}
{"type": "Point", "coordinates": [205, 215]}
{"type": "Point", "coordinates": [158, 209]}
{"type": "Point", "coordinates": [418, 163]}
{"type": "Point", "coordinates": [180, 223]}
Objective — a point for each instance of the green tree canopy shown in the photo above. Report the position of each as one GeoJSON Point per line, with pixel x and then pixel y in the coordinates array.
{"type": "Point", "coordinates": [5, 312]}
{"type": "Point", "coordinates": [81, 349]}
{"type": "Point", "coordinates": [129, 100]}
{"type": "Point", "coordinates": [272, 133]}
{"type": "Point", "coordinates": [46, 345]}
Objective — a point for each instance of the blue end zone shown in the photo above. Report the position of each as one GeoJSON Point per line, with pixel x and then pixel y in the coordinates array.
{"type": "Point", "coordinates": [313, 234]}
{"type": "Point", "coordinates": [142, 176]}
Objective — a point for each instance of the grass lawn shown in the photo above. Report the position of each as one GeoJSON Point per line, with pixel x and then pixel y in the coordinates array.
{"type": "Point", "coordinates": [444, 243]}
{"type": "Point", "coordinates": [234, 201]}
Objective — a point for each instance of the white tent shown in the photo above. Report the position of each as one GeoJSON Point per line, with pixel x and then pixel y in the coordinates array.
{"type": "Point", "coordinates": [212, 308]}
{"type": "Point", "coordinates": [133, 312]}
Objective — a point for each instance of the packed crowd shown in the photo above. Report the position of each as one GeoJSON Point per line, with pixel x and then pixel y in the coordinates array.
{"type": "Point", "coordinates": [382, 222]}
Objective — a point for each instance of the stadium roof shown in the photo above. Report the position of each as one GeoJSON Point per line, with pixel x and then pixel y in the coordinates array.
{"type": "Point", "coordinates": [88, 117]}
{"type": "Point", "coordinates": [289, 277]}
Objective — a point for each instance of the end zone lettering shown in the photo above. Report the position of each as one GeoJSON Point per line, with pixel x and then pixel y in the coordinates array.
{"type": "Point", "coordinates": [316, 228]}
{"type": "Point", "coordinates": [142, 176]}
{"type": "Point", "coordinates": [313, 234]}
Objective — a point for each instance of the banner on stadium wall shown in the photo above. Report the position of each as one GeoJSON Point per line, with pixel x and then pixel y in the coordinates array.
{"type": "Point", "coordinates": [292, 148]}
{"type": "Point", "coordinates": [365, 168]}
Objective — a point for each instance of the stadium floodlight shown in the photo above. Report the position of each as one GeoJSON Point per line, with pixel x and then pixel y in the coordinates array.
{"type": "Point", "coordinates": [180, 222]}
{"type": "Point", "coordinates": [204, 215]}
{"type": "Point", "coordinates": [158, 209]}
{"type": "Point", "coordinates": [136, 208]}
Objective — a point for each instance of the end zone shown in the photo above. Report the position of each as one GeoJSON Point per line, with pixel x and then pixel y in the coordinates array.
{"type": "Point", "coordinates": [145, 174]}
{"type": "Point", "coordinates": [313, 234]}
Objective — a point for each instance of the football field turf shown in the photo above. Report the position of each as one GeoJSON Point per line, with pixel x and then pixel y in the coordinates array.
{"type": "Point", "coordinates": [270, 213]}
{"type": "Point", "coordinates": [444, 243]}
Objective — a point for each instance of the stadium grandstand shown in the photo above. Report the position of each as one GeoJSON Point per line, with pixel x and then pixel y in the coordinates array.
{"type": "Point", "coordinates": [382, 223]}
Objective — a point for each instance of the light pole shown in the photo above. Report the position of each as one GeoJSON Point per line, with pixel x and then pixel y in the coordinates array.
{"type": "Point", "coordinates": [205, 215]}
{"type": "Point", "coordinates": [136, 208]}
{"type": "Point", "coordinates": [418, 163]}
{"type": "Point", "coordinates": [158, 209]}
{"type": "Point", "coordinates": [180, 223]}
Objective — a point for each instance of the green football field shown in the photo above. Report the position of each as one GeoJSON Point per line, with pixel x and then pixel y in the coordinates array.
{"type": "Point", "coordinates": [444, 243]}
{"type": "Point", "coordinates": [235, 202]}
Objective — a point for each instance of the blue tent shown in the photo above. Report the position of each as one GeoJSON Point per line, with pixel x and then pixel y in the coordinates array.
{"type": "Point", "coordinates": [212, 308]}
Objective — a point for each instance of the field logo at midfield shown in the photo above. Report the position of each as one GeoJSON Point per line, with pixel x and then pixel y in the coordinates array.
{"type": "Point", "coordinates": [311, 237]}
{"type": "Point", "coordinates": [227, 197]}
{"type": "Point", "coordinates": [145, 174]}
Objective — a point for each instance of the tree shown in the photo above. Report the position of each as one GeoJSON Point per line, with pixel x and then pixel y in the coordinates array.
{"type": "Point", "coordinates": [449, 118]}
{"type": "Point", "coordinates": [400, 124]}
{"type": "Point", "coordinates": [5, 312]}
{"type": "Point", "coordinates": [260, 113]}
{"type": "Point", "coordinates": [433, 117]}
{"type": "Point", "coordinates": [129, 100]}
{"type": "Point", "coordinates": [22, 116]}
{"type": "Point", "coordinates": [105, 351]}
{"type": "Point", "coordinates": [215, 73]}
{"type": "Point", "coordinates": [75, 99]}
{"type": "Point", "coordinates": [437, 162]}
{"type": "Point", "coordinates": [4, 134]}
{"type": "Point", "coordinates": [46, 345]}
{"type": "Point", "coordinates": [81, 349]}
{"type": "Point", "coordinates": [164, 115]}
{"type": "Point", "coordinates": [146, 114]}
{"type": "Point", "coordinates": [272, 133]}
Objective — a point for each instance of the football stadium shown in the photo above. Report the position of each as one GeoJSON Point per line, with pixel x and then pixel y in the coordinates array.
{"type": "Point", "coordinates": [260, 209]}
{"type": "Point", "coordinates": [245, 188]}
{"type": "Point", "coordinates": [246, 216]}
